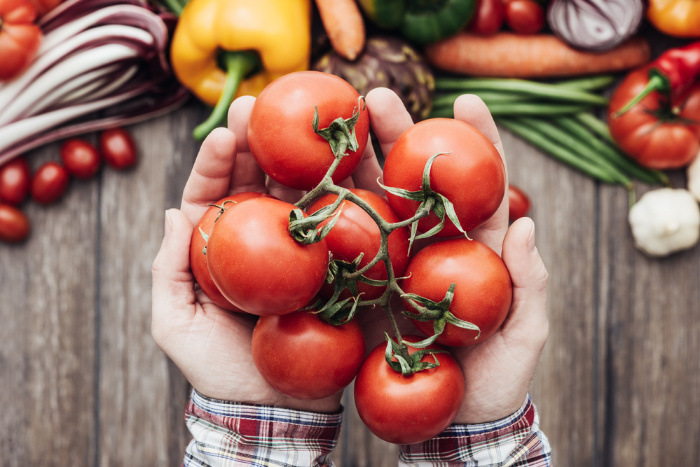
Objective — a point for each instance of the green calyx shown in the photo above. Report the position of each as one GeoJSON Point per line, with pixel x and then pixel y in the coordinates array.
{"type": "Point", "coordinates": [304, 229]}
{"type": "Point", "coordinates": [402, 361]}
{"type": "Point", "coordinates": [340, 134]}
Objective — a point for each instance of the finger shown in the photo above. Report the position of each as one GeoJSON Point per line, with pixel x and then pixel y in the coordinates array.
{"type": "Point", "coordinates": [173, 284]}
{"type": "Point", "coordinates": [472, 110]}
{"type": "Point", "coordinates": [369, 171]}
{"type": "Point", "coordinates": [528, 314]}
{"type": "Point", "coordinates": [211, 173]}
{"type": "Point", "coordinates": [246, 174]}
{"type": "Point", "coordinates": [388, 116]}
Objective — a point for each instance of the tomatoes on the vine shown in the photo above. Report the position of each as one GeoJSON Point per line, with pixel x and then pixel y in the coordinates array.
{"type": "Point", "coordinates": [281, 134]}
{"type": "Point", "coordinates": [80, 158]}
{"type": "Point", "coordinates": [49, 183]}
{"type": "Point", "coordinates": [408, 409]}
{"type": "Point", "coordinates": [302, 356]}
{"type": "Point", "coordinates": [257, 265]}
{"type": "Point", "coordinates": [483, 291]}
{"type": "Point", "coordinates": [14, 225]}
{"type": "Point", "coordinates": [118, 148]}
{"type": "Point", "coordinates": [355, 232]}
{"type": "Point", "coordinates": [15, 177]}
{"type": "Point", "coordinates": [469, 172]}
{"type": "Point", "coordinates": [518, 203]}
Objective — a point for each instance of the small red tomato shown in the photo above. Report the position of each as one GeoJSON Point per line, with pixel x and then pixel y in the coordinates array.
{"type": "Point", "coordinates": [20, 38]}
{"type": "Point", "coordinates": [14, 225]}
{"type": "Point", "coordinates": [488, 17]}
{"type": "Point", "coordinates": [49, 183]}
{"type": "Point", "coordinates": [80, 158]}
{"type": "Point", "coordinates": [518, 203]}
{"type": "Point", "coordinates": [118, 148]}
{"type": "Point", "coordinates": [14, 181]}
{"type": "Point", "coordinates": [525, 16]}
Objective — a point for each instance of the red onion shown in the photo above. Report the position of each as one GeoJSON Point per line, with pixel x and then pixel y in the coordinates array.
{"type": "Point", "coordinates": [595, 25]}
{"type": "Point", "coordinates": [102, 63]}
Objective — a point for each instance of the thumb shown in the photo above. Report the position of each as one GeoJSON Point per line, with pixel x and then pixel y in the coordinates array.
{"type": "Point", "coordinates": [173, 284]}
{"type": "Point", "coordinates": [528, 314]}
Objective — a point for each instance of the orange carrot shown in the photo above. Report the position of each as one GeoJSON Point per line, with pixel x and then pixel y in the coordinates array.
{"type": "Point", "coordinates": [344, 25]}
{"type": "Point", "coordinates": [530, 56]}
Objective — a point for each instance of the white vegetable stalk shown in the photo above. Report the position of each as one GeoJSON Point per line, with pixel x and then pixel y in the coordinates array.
{"type": "Point", "coordinates": [102, 63]}
{"type": "Point", "coordinates": [665, 221]}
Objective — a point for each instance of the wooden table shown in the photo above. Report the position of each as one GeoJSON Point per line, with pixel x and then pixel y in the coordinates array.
{"type": "Point", "coordinates": [82, 383]}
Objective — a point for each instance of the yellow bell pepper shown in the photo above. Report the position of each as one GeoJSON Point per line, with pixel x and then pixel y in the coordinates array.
{"type": "Point", "coordinates": [259, 40]}
{"type": "Point", "coordinates": [680, 18]}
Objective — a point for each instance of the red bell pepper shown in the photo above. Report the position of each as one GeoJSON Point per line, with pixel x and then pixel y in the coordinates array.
{"type": "Point", "coordinates": [19, 37]}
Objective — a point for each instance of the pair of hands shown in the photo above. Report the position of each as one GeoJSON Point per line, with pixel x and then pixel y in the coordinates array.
{"type": "Point", "coordinates": [212, 346]}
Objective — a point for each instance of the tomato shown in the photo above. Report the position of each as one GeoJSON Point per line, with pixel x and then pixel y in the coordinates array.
{"type": "Point", "coordinates": [679, 18]}
{"type": "Point", "coordinates": [198, 259]}
{"type": "Point", "coordinates": [80, 158]}
{"type": "Point", "coordinates": [655, 133]}
{"type": "Point", "coordinates": [524, 16]}
{"type": "Point", "coordinates": [118, 148]}
{"type": "Point", "coordinates": [49, 183]}
{"type": "Point", "coordinates": [518, 203]}
{"type": "Point", "coordinates": [488, 17]}
{"type": "Point", "coordinates": [20, 38]}
{"type": "Point", "coordinates": [483, 291]}
{"type": "Point", "coordinates": [281, 135]}
{"type": "Point", "coordinates": [304, 357]}
{"type": "Point", "coordinates": [43, 6]}
{"type": "Point", "coordinates": [356, 232]}
{"type": "Point", "coordinates": [257, 265]}
{"type": "Point", "coordinates": [408, 409]}
{"type": "Point", "coordinates": [14, 225]}
{"type": "Point", "coordinates": [472, 176]}
{"type": "Point", "coordinates": [15, 177]}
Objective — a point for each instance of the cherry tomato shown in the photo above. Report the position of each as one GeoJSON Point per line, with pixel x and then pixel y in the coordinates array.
{"type": "Point", "coordinates": [470, 174]}
{"type": "Point", "coordinates": [656, 133]}
{"type": "Point", "coordinates": [118, 148]}
{"type": "Point", "coordinates": [304, 357]}
{"type": "Point", "coordinates": [488, 17]}
{"type": "Point", "coordinates": [15, 177]}
{"type": "Point", "coordinates": [257, 265]}
{"type": "Point", "coordinates": [20, 38]}
{"type": "Point", "coordinates": [49, 183]}
{"type": "Point", "coordinates": [80, 158]}
{"type": "Point", "coordinates": [483, 291]}
{"type": "Point", "coordinates": [518, 203]}
{"type": "Point", "coordinates": [408, 409]}
{"type": "Point", "coordinates": [524, 16]}
{"type": "Point", "coordinates": [356, 232]}
{"type": "Point", "coordinates": [198, 259]}
{"type": "Point", "coordinates": [280, 132]}
{"type": "Point", "coordinates": [44, 6]}
{"type": "Point", "coordinates": [14, 225]}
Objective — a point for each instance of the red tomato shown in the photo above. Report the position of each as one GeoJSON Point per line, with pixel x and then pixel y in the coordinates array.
{"type": "Point", "coordinates": [518, 203]}
{"type": "Point", "coordinates": [472, 176]}
{"type": "Point", "coordinates": [14, 225]}
{"type": "Point", "coordinates": [488, 17]}
{"type": "Point", "coordinates": [482, 294]}
{"type": "Point", "coordinates": [198, 260]}
{"type": "Point", "coordinates": [15, 177]}
{"type": "Point", "coordinates": [524, 16]}
{"type": "Point", "coordinates": [655, 133]}
{"type": "Point", "coordinates": [257, 265]}
{"type": "Point", "coordinates": [49, 183]}
{"type": "Point", "coordinates": [281, 135]}
{"type": "Point", "coordinates": [43, 6]}
{"type": "Point", "coordinates": [19, 37]}
{"type": "Point", "coordinates": [356, 232]}
{"type": "Point", "coordinates": [408, 409]}
{"type": "Point", "coordinates": [118, 148]}
{"type": "Point", "coordinates": [80, 158]}
{"type": "Point", "coordinates": [304, 357]}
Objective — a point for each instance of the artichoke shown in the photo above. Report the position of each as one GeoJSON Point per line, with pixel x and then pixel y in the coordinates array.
{"type": "Point", "coordinates": [387, 62]}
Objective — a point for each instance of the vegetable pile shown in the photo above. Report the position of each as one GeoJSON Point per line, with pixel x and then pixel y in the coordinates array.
{"type": "Point", "coordinates": [309, 269]}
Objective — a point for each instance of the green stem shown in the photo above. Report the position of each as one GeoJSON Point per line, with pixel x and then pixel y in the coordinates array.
{"type": "Point", "coordinates": [237, 65]}
{"type": "Point", "coordinates": [657, 82]}
{"type": "Point", "coordinates": [174, 6]}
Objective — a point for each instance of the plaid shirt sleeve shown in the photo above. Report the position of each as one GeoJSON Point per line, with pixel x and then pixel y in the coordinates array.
{"type": "Point", "coordinates": [512, 441]}
{"type": "Point", "coordinates": [229, 433]}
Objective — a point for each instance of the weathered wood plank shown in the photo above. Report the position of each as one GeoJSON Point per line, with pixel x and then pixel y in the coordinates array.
{"type": "Point", "coordinates": [47, 331]}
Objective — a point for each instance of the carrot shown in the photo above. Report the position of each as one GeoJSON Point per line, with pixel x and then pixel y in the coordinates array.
{"type": "Point", "coordinates": [533, 56]}
{"type": "Point", "coordinates": [344, 25]}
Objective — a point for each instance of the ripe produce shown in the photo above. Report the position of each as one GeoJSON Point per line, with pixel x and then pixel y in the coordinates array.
{"type": "Point", "coordinates": [488, 17]}
{"type": "Point", "coordinates": [20, 38]}
{"type": "Point", "coordinates": [80, 158]}
{"type": "Point", "coordinates": [680, 18]}
{"type": "Point", "coordinates": [49, 183]}
{"type": "Point", "coordinates": [15, 177]}
{"type": "Point", "coordinates": [14, 225]}
{"type": "Point", "coordinates": [118, 148]}
{"type": "Point", "coordinates": [518, 203]}
{"type": "Point", "coordinates": [344, 25]}
{"type": "Point", "coordinates": [524, 16]}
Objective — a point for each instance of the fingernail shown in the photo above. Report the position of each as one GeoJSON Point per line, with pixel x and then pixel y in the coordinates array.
{"type": "Point", "coordinates": [168, 223]}
{"type": "Point", "coordinates": [531, 239]}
